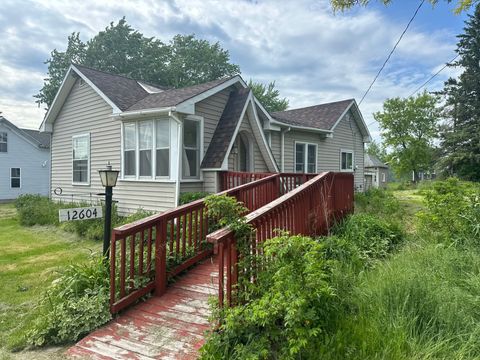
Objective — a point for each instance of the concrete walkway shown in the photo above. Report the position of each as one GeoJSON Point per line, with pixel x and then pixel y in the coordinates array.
{"type": "Point", "coordinates": [169, 327]}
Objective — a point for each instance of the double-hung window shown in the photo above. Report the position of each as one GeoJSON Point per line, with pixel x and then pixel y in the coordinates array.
{"type": "Point", "coordinates": [15, 178]}
{"type": "Point", "coordinates": [305, 157]}
{"type": "Point", "coordinates": [191, 149]}
{"type": "Point", "coordinates": [346, 160]}
{"type": "Point", "coordinates": [3, 142]}
{"type": "Point", "coordinates": [81, 159]}
{"type": "Point", "coordinates": [146, 149]}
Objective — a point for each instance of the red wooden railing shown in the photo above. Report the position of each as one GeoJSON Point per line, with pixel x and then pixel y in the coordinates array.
{"type": "Point", "coordinates": [145, 253]}
{"type": "Point", "coordinates": [231, 179]}
{"type": "Point", "coordinates": [309, 209]}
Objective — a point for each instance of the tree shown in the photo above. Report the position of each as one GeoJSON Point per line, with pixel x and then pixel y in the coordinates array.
{"type": "Point", "coordinates": [460, 135]}
{"type": "Point", "coordinates": [376, 149]}
{"type": "Point", "coordinates": [409, 128]}
{"type": "Point", "coordinates": [122, 50]}
{"type": "Point", "coordinates": [461, 5]}
{"type": "Point", "coordinates": [268, 96]}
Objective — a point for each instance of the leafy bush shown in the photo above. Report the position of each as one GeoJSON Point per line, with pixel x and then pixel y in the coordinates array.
{"type": "Point", "coordinates": [290, 309]}
{"type": "Point", "coordinates": [188, 197]}
{"type": "Point", "coordinates": [378, 202]}
{"type": "Point", "coordinates": [36, 210]}
{"type": "Point", "coordinates": [76, 304]}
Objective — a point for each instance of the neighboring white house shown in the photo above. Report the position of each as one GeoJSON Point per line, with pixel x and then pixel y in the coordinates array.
{"type": "Point", "coordinates": [169, 141]}
{"type": "Point", "coordinates": [376, 172]}
{"type": "Point", "coordinates": [24, 161]}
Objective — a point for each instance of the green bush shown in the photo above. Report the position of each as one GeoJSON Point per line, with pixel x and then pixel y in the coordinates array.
{"type": "Point", "coordinates": [36, 210]}
{"type": "Point", "coordinates": [76, 304]}
{"type": "Point", "coordinates": [188, 197]}
{"type": "Point", "coordinates": [377, 201]}
{"type": "Point", "coordinates": [291, 307]}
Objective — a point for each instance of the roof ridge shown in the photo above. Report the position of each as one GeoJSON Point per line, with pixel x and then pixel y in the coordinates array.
{"type": "Point", "coordinates": [312, 106]}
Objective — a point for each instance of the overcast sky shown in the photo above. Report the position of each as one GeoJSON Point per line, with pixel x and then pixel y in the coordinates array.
{"type": "Point", "coordinates": [314, 55]}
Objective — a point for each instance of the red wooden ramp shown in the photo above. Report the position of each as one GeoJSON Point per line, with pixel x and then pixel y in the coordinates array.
{"type": "Point", "coordinates": [167, 327]}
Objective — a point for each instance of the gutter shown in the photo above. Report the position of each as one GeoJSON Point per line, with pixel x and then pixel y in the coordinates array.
{"type": "Point", "coordinates": [305, 128]}
{"type": "Point", "coordinates": [128, 114]}
{"type": "Point", "coordinates": [282, 146]}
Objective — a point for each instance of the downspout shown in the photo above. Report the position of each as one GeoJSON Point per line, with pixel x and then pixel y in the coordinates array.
{"type": "Point", "coordinates": [282, 147]}
{"type": "Point", "coordinates": [179, 139]}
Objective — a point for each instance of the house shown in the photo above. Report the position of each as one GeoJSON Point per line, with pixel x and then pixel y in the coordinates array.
{"type": "Point", "coordinates": [169, 141]}
{"type": "Point", "coordinates": [24, 161]}
{"type": "Point", "coordinates": [376, 172]}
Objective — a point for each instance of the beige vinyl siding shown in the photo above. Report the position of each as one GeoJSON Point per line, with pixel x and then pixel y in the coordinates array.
{"type": "Point", "coordinates": [346, 136]}
{"type": "Point", "coordinates": [84, 111]}
{"type": "Point", "coordinates": [211, 182]}
{"type": "Point", "coordinates": [196, 186]}
{"type": "Point", "coordinates": [211, 110]}
{"type": "Point", "coordinates": [275, 139]}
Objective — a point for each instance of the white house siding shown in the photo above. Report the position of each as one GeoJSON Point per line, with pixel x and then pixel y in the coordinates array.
{"type": "Point", "coordinates": [84, 111]}
{"type": "Point", "coordinates": [34, 164]}
{"type": "Point", "coordinates": [346, 136]}
{"type": "Point", "coordinates": [211, 182]}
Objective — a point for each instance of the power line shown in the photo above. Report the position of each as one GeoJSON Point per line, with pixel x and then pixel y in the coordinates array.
{"type": "Point", "coordinates": [391, 52]}
{"type": "Point", "coordinates": [434, 75]}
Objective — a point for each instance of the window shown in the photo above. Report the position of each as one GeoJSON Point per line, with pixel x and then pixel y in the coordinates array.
{"type": "Point", "coordinates": [15, 179]}
{"type": "Point", "coordinates": [3, 142]}
{"type": "Point", "coordinates": [191, 148]}
{"type": "Point", "coordinates": [81, 159]}
{"type": "Point", "coordinates": [346, 160]}
{"type": "Point", "coordinates": [384, 178]}
{"type": "Point", "coordinates": [305, 158]}
{"type": "Point", "coordinates": [146, 149]}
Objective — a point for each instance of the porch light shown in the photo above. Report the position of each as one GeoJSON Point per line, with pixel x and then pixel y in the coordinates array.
{"type": "Point", "coordinates": [108, 176]}
{"type": "Point", "coordinates": [109, 180]}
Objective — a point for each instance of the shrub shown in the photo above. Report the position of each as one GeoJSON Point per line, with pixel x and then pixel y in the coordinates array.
{"type": "Point", "coordinates": [188, 197]}
{"type": "Point", "coordinates": [36, 210]}
{"type": "Point", "coordinates": [290, 309]}
{"type": "Point", "coordinates": [378, 202]}
{"type": "Point", "coordinates": [76, 304]}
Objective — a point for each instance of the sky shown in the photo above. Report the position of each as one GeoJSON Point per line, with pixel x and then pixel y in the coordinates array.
{"type": "Point", "coordinates": [313, 54]}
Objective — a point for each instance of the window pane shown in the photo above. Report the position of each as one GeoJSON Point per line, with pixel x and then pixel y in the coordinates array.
{"type": "Point", "coordinates": [190, 163]}
{"type": "Point", "coordinates": [350, 161]}
{"type": "Point", "coordinates": [80, 148]}
{"type": "Point", "coordinates": [3, 147]}
{"type": "Point", "coordinates": [15, 183]}
{"type": "Point", "coordinates": [311, 157]}
{"type": "Point", "coordinates": [344, 161]}
{"type": "Point", "coordinates": [163, 163]}
{"type": "Point", "coordinates": [129, 137]}
{"type": "Point", "coordinates": [145, 135]}
{"type": "Point", "coordinates": [3, 137]}
{"type": "Point", "coordinates": [190, 133]}
{"type": "Point", "coordinates": [163, 133]}
{"type": "Point", "coordinates": [145, 163]}
{"type": "Point", "coordinates": [80, 171]}
{"type": "Point", "coordinates": [129, 162]}
{"type": "Point", "coordinates": [15, 172]}
{"type": "Point", "coordinates": [299, 157]}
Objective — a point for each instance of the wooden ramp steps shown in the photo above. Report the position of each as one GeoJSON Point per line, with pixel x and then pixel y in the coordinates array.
{"type": "Point", "coordinates": [168, 327]}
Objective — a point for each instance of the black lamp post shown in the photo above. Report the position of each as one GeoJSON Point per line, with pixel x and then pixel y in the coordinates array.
{"type": "Point", "coordinates": [109, 180]}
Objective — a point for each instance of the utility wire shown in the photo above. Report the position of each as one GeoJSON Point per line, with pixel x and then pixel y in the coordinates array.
{"type": "Point", "coordinates": [434, 75]}
{"type": "Point", "coordinates": [391, 52]}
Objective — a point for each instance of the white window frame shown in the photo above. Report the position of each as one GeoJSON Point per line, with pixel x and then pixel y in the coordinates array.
{"type": "Point", "coordinates": [347, 151]}
{"type": "Point", "coordinates": [19, 178]}
{"type": "Point", "coordinates": [4, 142]}
{"type": "Point", "coordinates": [384, 177]}
{"type": "Point", "coordinates": [153, 177]}
{"type": "Point", "coordinates": [305, 157]}
{"type": "Point", "coordinates": [199, 177]}
{"type": "Point", "coordinates": [87, 183]}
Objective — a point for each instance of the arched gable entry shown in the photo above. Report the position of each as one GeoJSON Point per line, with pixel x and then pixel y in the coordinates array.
{"type": "Point", "coordinates": [244, 147]}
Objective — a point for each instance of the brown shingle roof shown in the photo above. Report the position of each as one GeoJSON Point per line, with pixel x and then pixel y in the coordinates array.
{"type": "Point", "coordinates": [41, 139]}
{"type": "Point", "coordinates": [217, 150]}
{"type": "Point", "coordinates": [175, 96]}
{"type": "Point", "coordinates": [373, 161]}
{"type": "Point", "coordinates": [322, 116]}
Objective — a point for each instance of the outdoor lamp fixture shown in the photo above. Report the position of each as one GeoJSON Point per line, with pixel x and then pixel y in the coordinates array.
{"type": "Point", "coordinates": [109, 180]}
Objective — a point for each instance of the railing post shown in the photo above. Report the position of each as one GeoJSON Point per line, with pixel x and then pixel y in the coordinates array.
{"type": "Point", "coordinates": [113, 253]}
{"type": "Point", "coordinates": [161, 258]}
{"type": "Point", "coordinates": [277, 192]}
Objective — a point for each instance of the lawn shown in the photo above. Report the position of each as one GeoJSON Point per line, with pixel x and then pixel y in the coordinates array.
{"type": "Point", "coordinates": [30, 259]}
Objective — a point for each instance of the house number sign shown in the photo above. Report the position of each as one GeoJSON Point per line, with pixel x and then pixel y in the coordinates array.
{"type": "Point", "coordinates": [94, 212]}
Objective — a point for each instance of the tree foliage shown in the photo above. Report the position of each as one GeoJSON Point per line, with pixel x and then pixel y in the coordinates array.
{"type": "Point", "coordinates": [342, 5]}
{"type": "Point", "coordinates": [409, 127]}
{"type": "Point", "coordinates": [461, 133]}
{"type": "Point", "coordinates": [268, 96]}
{"type": "Point", "coordinates": [120, 49]}
{"type": "Point", "coordinates": [376, 149]}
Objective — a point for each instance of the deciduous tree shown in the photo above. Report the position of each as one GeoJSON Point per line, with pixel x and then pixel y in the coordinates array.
{"type": "Point", "coordinates": [268, 96]}
{"type": "Point", "coordinates": [461, 5]}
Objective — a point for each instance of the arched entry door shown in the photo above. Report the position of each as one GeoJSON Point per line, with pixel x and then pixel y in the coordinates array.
{"type": "Point", "coordinates": [245, 157]}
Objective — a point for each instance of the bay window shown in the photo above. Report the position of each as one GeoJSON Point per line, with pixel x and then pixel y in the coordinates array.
{"type": "Point", "coordinates": [346, 160]}
{"type": "Point", "coordinates": [145, 135]}
{"type": "Point", "coordinates": [191, 149]}
{"type": "Point", "coordinates": [81, 159]}
{"type": "Point", "coordinates": [305, 158]}
{"type": "Point", "coordinates": [162, 148]}
{"type": "Point", "coordinates": [129, 149]}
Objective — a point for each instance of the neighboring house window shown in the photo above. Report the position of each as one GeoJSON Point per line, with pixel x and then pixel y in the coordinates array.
{"type": "Point", "coordinates": [191, 148]}
{"type": "Point", "coordinates": [346, 160]}
{"type": "Point", "coordinates": [305, 157]}
{"type": "Point", "coordinates": [3, 142]}
{"type": "Point", "coordinates": [146, 149]}
{"type": "Point", "coordinates": [81, 159]}
{"type": "Point", "coordinates": [15, 178]}
{"type": "Point", "coordinates": [384, 178]}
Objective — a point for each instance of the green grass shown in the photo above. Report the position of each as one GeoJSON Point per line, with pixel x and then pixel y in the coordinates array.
{"type": "Point", "coordinates": [30, 259]}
